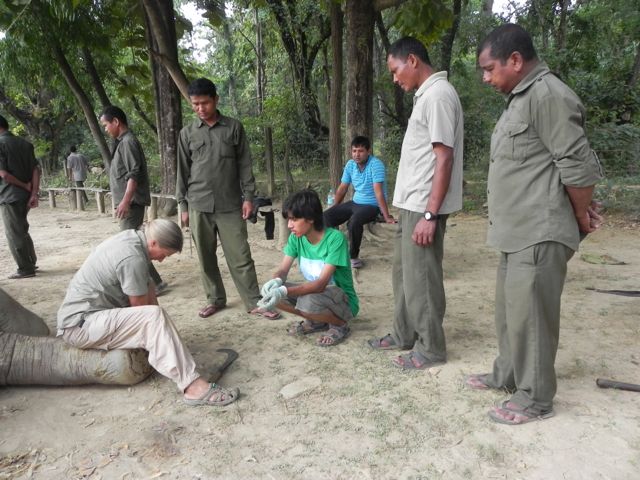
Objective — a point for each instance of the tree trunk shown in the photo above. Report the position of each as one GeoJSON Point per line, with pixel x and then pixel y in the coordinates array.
{"type": "Point", "coordinates": [336, 149]}
{"type": "Point", "coordinates": [166, 52]}
{"type": "Point", "coordinates": [487, 7]}
{"type": "Point", "coordinates": [229, 50]}
{"type": "Point", "coordinates": [95, 77]}
{"type": "Point", "coordinates": [360, 22]}
{"type": "Point", "coordinates": [82, 99]}
{"type": "Point", "coordinates": [399, 113]}
{"type": "Point", "coordinates": [167, 100]}
{"type": "Point", "coordinates": [261, 84]}
{"type": "Point", "coordinates": [450, 36]}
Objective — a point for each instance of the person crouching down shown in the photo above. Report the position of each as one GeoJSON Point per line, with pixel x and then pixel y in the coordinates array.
{"type": "Point", "coordinates": [111, 304]}
{"type": "Point", "coordinates": [326, 300]}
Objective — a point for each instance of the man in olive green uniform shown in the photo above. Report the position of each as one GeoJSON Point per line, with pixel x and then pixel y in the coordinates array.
{"type": "Point", "coordinates": [19, 185]}
{"type": "Point", "coordinates": [215, 190]}
{"type": "Point", "coordinates": [128, 177]}
{"type": "Point", "coordinates": [541, 179]}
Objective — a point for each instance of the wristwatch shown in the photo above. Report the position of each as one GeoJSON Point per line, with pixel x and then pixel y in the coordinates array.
{"type": "Point", "coordinates": [430, 216]}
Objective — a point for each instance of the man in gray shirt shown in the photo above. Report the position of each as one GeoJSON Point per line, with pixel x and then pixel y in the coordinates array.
{"type": "Point", "coordinates": [111, 304]}
{"type": "Point", "coordinates": [77, 169]}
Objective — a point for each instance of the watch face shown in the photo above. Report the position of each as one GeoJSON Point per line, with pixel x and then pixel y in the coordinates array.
{"type": "Point", "coordinates": [428, 215]}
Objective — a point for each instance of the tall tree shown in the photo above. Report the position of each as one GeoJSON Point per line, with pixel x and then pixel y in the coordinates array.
{"type": "Point", "coordinates": [335, 95]}
{"type": "Point", "coordinates": [166, 91]}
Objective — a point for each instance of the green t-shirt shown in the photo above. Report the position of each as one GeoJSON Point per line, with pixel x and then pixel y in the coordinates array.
{"type": "Point", "coordinates": [333, 249]}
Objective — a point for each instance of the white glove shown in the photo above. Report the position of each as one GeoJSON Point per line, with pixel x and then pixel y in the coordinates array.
{"type": "Point", "coordinates": [270, 285]}
{"type": "Point", "coordinates": [272, 298]}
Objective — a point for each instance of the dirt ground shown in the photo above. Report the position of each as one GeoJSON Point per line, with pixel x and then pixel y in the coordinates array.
{"type": "Point", "coordinates": [364, 419]}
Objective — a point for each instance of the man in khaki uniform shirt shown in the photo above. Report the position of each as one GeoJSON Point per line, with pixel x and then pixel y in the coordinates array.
{"type": "Point", "coordinates": [215, 189]}
{"type": "Point", "coordinates": [541, 179]}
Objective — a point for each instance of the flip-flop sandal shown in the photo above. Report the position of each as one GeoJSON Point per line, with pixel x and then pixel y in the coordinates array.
{"type": "Point", "coordinates": [377, 343]}
{"type": "Point", "coordinates": [477, 381]}
{"type": "Point", "coordinates": [305, 327]}
{"type": "Point", "coordinates": [216, 396]}
{"type": "Point", "coordinates": [406, 362]}
{"type": "Point", "coordinates": [509, 413]}
{"type": "Point", "coordinates": [268, 314]}
{"type": "Point", "coordinates": [210, 310]}
{"type": "Point", "coordinates": [336, 334]}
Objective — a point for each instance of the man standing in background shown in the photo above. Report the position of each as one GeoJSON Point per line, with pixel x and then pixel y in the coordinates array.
{"type": "Point", "coordinates": [77, 169]}
{"type": "Point", "coordinates": [19, 185]}
{"type": "Point", "coordinates": [215, 190]}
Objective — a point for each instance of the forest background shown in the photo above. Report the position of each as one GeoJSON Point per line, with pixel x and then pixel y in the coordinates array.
{"type": "Point", "coordinates": [304, 76]}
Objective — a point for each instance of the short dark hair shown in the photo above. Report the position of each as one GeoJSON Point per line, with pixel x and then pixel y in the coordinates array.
{"type": "Point", "coordinates": [111, 112]}
{"type": "Point", "coordinates": [3, 123]}
{"type": "Point", "coordinates": [406, 46]}
{"type": "Point", "coordinates": [506, 39]}
{"type": "Point", "coordinates": [72, 149]}
{"type": "Point", "coordinates": [304, 204]}
{"type": "Point", "coordinates": [202, 86]}
{"type": "Point", "coordinates": [361, 141]}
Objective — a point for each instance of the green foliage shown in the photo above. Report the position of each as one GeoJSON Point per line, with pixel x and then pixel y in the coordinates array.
{"type": "Point", "coordinates": [618, 147]}
{"type": "Point", "coordinates": [424, 20]}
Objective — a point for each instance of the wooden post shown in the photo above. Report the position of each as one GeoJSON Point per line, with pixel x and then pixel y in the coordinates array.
{"type": "Point", "coordinates": [52, 199]}
{"type": "Point", "coordinates": [113, 207]}
{"type": "Point", "coordinates": [80, 200]}
{"type": "Point", "coordinates": [100, 201]}
{"type": "Point", "coordinates": [72, 199]}
{"type": "Point", "coordinates": [283, 231]}
{"type": "Point", "coordinates": [152, 213]}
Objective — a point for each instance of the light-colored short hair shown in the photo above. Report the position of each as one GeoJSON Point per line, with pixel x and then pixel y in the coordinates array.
{"type": "Point", "coordinates": [166, 233]}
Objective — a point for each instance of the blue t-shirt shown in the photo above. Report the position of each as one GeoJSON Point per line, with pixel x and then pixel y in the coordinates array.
{"type": "Point", "coordinates": [362, 181]}
{"type": "Point", "coordinates": [332, 249]}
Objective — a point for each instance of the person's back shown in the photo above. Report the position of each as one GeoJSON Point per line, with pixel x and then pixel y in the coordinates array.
{"type": "Point", "coordinates": [17, 159]}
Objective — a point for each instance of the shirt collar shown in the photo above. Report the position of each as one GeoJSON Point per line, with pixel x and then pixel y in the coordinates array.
{"type": "Point", "coordinates": [538, 71]}
{"type": "Point", "coordinates": [433, 78]}
{"type": "Point", "coordinates": [221, 120]}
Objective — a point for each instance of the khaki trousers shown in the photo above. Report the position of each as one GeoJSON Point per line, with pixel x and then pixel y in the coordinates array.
{"type": "Point", "coordinates": [528, 290]}
{"type": "Point", "coordinates": [147, 327]}
{"type": "Point", "coordinates": [418, 289]}
{"type": "Point", "coordinates": [232, 230]}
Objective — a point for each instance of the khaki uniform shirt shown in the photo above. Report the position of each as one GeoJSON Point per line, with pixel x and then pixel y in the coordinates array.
{"type": "Point", "coordinates": [436, 118]}
{"type": "Point", "coordinates": [16, 158]}
{"type": "Point", "coordinates": [214, 166]}
{"type": "Point", "coordinates": [538, 146]}
{"type": "Point", "coordinates": [117, 269]}
{"type": "Point", "coordinates": [129, 162]}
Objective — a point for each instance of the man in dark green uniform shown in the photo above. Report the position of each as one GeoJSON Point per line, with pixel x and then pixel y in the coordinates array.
{"type": "Point", "coordinates": [542, 174]}
{"type": "Point", "coordinates": [215, 190]}
{"type": "Point", "coordinates": [19, 185]}
{"type": "Point", "coordinates": [128, 177]}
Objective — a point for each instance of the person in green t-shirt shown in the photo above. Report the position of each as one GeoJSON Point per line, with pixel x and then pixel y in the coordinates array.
{"type": "Point", "coordinates": [327, 299]}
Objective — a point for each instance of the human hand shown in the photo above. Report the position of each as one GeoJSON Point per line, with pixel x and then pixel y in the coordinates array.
{"type": "Point", "coordinates": [270, 285]}
{"type": "Point", "coordinates": [424, 232]}
{"type": "Point", "coordinates": [273, 297]}
{"type": "Point", "coordinates": [247, 209]}
{"type": "Point", "coordinates": [33, 201]}
{"type": "Point", "coordinates": [122, 210]}
{"type": "Point", "coordinates": [390, 219]}
{"type": "Point", "coordinates": [184, 219]}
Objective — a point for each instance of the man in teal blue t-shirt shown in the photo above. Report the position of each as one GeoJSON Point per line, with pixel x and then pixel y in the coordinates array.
{"type": "Point", "coordinates": [367, 175]}
{"type": "Point", "coordinates": [327, 299]}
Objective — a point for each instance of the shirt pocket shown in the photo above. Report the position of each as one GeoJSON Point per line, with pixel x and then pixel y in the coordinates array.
{"type": "Point", "coordinates": [515, 142]}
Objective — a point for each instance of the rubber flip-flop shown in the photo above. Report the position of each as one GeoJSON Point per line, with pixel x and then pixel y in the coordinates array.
{"type": "Point", "coordinates": [477, 381]}
{"type": "Point", "coordinates": [509, 413]}
{"type": "Point", "coordinates": [268, 314]}
{"type": "Point", "coordinates": [221, 397]}
{"type": "Point", "coordinates": [377, 343]}
{"type": "Point", "coordinates": [406, 362]}
{"type": "Point", "coordinates": [209, 310]}
{"type": "Point", "coordinates": [336, 334]}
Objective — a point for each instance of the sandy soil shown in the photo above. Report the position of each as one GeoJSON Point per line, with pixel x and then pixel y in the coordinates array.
{"type": "Point", "coordinates": [365, 419]}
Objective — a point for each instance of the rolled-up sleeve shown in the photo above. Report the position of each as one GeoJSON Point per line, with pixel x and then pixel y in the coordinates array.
{"type": "Point", "coordinates": [560, 125]}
